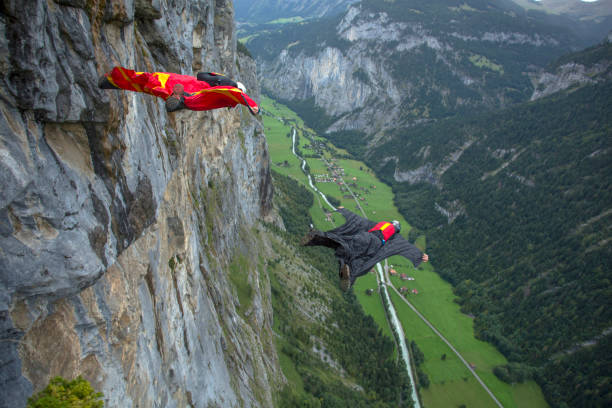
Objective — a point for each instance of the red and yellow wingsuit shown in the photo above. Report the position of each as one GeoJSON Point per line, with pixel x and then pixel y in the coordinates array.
{"type": "Point", "coordinates": [199, 95]}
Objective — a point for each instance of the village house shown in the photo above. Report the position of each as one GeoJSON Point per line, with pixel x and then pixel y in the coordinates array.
{"type": "Point", "coordinates": [322, 178]}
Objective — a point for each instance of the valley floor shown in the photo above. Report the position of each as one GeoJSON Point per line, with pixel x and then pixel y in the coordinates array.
{"type": "Point", "coordinates": [451, 383]}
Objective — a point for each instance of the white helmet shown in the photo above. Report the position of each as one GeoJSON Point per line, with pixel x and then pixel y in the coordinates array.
{"type": "Point", "coordinates": [397, 225]}
{"type": "Point", "coordinates": [241, 86]}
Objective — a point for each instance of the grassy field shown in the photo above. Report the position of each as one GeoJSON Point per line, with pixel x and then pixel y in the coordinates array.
{"type": "Point", "coordinates": [451, 382]}
{"type": "Point", "coordinates": [435, 300]}
{"type": "Point", "coordinates": [287, 20]}
{"type": "Point", "coordinates": [371, 303]}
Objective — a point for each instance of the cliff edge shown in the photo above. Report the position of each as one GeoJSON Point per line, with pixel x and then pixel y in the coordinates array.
{"type": "Point", "coordinates": [123, 229]}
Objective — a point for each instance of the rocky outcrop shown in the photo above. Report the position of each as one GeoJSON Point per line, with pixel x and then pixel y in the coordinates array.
{"type": "Point", "coordinates": [569, 75]}
{"type": "Point", "coordinates": [588, 67]}
{"type": "Point", "coordinates": [452, 210]}
{"type": "Point", "coordinates": [431, 172]}
{"type": "Point", "coordinates": [120, 223]}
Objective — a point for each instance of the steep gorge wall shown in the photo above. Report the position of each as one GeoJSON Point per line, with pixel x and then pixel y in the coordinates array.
{"type": "Point", "coordinates": [382, 66]}
{"type": "Point", "coordinates": [120, 224]}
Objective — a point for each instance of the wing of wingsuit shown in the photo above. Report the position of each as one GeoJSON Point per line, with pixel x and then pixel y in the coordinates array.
{"type": "Point", "coordinates": [361, 243]}
{"type": "Point", "coordinates": [207, 91]}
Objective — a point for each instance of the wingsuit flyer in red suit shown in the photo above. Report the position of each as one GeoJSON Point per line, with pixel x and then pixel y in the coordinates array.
{"type": "Point", "coordinates": [207, 91]}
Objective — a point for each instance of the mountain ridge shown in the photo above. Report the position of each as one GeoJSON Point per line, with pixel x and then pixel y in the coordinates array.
{"type": "Point", "coordinates": [262, 11]}
{"type": "Point", "coordinates": [387, 57]}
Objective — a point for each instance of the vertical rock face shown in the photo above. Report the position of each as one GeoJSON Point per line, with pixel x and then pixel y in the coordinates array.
{"type": "Point", "coordinates": [122, 227]}
{"type": "Point", "coordinates": [591, 66]}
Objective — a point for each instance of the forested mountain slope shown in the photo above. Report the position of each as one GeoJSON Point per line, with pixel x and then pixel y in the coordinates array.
{"type": "Point", "coordinates": [517, 209]}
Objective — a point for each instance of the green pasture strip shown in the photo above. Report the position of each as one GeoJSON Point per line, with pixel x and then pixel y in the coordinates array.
{"type": "Point", "coordinates": [372, 305]}
{"type": "Point", "coordinates": [456, 393]}
{"type": "Point", "coordinates": [281, 111]}
{"type": "Point", "coordinates": [318, 215]}
{"type": "Point", "coordinates": [286, 20]}
{"type": "Point", "coordinates": [446, 375]}
{"type": "Point", "coordinates": [529, 395]}
{"type": "Point", "coordinates": [279, 147]}
{"type": "Point", "coordinates": [317, 166]}
{"type": "Point", "coordinates": [378, 203]}
{"type": "Point", "coordinates": [421, 243]}
{"type": "Point", "coordinates": [435, 301]}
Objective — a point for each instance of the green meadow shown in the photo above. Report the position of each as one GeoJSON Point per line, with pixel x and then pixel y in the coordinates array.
{"type": "Point", "coordinates": [371, 303]}
{"type": "Point", "coordinates": [451, 382]}
{"type": "Point", "coordinates": [287, 20]}
{"type": "Point", "coordinates": [435, 301]}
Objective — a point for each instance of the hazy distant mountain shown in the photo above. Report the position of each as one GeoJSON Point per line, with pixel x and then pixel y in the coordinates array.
{"type": "Point", "coordinates": [591, 20]}
{"type": "Point", "coordinates": [413, 60]}
{"type": "Point", "coordinates": [595, 10]}
{"type": "Point", "coordinates": [261, 11]}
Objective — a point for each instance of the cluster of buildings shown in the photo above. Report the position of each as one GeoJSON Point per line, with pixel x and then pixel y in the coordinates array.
{"type": "Point", "coordinates": [335, 169]}
{"type": "Point", "coordinates": [403, 290]}
{"type": "Point", "coordinates": [332, 177]}
{"type": "Point", "coordinates": [402, 276]}
{"type": "Point", "coordinates": [324, 178]}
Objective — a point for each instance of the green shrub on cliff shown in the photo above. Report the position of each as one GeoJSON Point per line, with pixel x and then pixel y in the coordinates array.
{"type": "Point", "coordinates": [61, 393]}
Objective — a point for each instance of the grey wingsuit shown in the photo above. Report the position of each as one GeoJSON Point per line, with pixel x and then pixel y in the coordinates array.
{"type": "Point", "coordinates": [360, 249]}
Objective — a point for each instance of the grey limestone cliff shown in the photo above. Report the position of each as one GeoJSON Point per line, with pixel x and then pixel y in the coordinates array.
{"type": "Point", "coordinates": [120, 223]}
{"type": "Point", "coordinates": [588, 67]}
